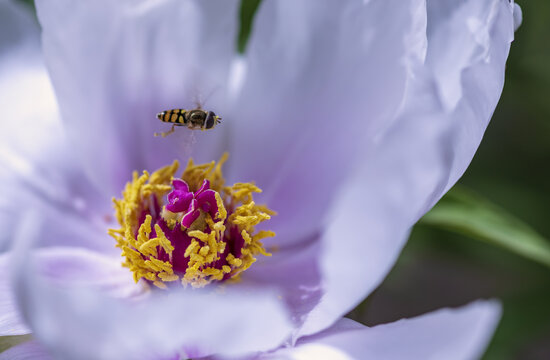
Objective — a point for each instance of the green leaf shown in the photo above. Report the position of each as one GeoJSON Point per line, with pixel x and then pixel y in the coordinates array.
{"type": "Point", "coordinates": [7, 342]}
{"type": "Point", "coordinates": [466, 213]}
{"type": "Point", "coordinates": [246, 17]}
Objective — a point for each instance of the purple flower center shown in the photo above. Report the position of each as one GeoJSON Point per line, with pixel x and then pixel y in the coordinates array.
{"type": "Point", "coordinates": [182, 200]}
{"type": "Point", "coordinates": [180, 228]}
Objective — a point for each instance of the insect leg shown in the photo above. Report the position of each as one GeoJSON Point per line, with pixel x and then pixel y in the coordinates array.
{"type": "Point", "coordinates": [165, 134]}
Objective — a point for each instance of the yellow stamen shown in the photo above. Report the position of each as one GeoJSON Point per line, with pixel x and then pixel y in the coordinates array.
{"type": "Point", "coordinates": [208, 235]}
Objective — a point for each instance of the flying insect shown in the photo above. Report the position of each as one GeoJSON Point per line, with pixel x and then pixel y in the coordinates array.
{"type": "Point", "coordinates": [196, 119]}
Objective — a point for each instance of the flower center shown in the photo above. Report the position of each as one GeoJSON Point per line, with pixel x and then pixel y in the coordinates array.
{"type": "Point", "coordinates": [191, 229]}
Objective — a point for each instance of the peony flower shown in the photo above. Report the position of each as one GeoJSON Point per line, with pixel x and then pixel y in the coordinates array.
{"type": "Point", "coordinates": [352, 119]}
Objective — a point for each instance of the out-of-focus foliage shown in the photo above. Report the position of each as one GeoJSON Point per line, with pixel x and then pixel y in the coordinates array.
{"type": "Point", "coordinates": [29, 3]}
{"type": "Point", "coordinates": [8, 341]}
{"type": "Point", "coordinates": [248, 9]}
{"type": "Point", "coordinates": [468, 214]}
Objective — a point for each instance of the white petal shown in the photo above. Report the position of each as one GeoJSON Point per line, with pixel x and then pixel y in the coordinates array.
{"type": "Point", "coordinates": [518, 17]}
{"type": "Point", "coordinates": [67, 266]}
{"type": "Point", "coordinates": [295, 273]}
{"type": "Point", "coordinates": [448, 104]}
{"type": "Point", "coordinates": [11, 322]}
{"type": "Point", "coordinates": [27, 105]}
{"type": "Point", "coordinates": [451, 334]}
{"type": "Point", "coordinates": [320, 81]}
{"type": "Point", "coordinates": [359, 248]}
{"type": "Point", "coordinates": [76, 308]}
{"type": "Point", "coordinates": [25, 93]}
{"type": "Point", "coordinates": [37, 169]}
{"type": "Point", "coordinates": [71, 266]}
{"type": "Point", "coordinates": [115, 65]}
{"type": "Point", "coordinates": [30, 350]}
{"type": "Point", "coordinates": [468, 75]}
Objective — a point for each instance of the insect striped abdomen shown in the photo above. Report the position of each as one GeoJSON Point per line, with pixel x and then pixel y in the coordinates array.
{"type": "Point", "coordinates": [175, 116]}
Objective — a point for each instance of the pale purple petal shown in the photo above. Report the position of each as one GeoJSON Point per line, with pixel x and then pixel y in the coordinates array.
{"type": "Point", "coordinates": [115, 65]}
{"type": "Point", "coordinates": [468, 75]}
{"type": "Point", "coordinates": [29, 350]}
{"type": "Point", "coordinates": [37, 168]}
{"type": "Point", "coordinates": [65, 266]}
{"type": "Point", "coordinates": [518, 16]}
{"type": "Point", "coordinates": [63, 198]}
{"type": "Point", "coordinates": [294, 271]}
{"type": "Point", "coordinates": [415, 160]}
{"type": "Point", "coordinates": [320, 82]}
{"type": "Point", "coordinates": [451, 334]}
{"type": "Point", "coordinates": [25, 93]}
{"type": "Point", "coordinates": [359, 248]}
{"type": "Point", "coordinates": [76, 322]}
{"type": "Point", "coordinates": [80, 315]}
{"type": "Point", "coordinates": [11, 322]}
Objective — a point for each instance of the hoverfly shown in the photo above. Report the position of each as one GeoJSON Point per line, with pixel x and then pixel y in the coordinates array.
{"type": "Point", "coordinates": [196, 119]}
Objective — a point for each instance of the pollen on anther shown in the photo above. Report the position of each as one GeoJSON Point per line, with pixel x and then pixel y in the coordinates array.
{"type": "Point", "coordinates": [215, 243]}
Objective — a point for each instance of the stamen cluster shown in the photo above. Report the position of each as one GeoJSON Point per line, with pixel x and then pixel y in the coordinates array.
{"type": "Point", "coordinates": [205, 233]}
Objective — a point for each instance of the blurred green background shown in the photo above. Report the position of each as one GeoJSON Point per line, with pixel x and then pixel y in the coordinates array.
{"type": "Point", "coordinates": [479, 241]}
